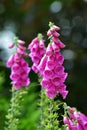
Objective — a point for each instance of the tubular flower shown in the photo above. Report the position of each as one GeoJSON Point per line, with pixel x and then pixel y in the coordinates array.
{"type": "Point", "coordinates": [19, 67]}
{"type": "Point", "coordinates": [75, 120]}
{"type": "Point", "coordinates": [50, 67]}
{"type": "Point", "coordinates": [37, 50]}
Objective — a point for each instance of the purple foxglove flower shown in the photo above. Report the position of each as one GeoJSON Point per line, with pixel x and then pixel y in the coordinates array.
{"type": "Point", "coordinates": [68, 128]}
{"type": "Point", "coordinates": [50, 67]}
{"type": "Point", "coordinates": [51, 93]}
{"type": "Point", "coordinates": [19, 67]}
{"type": "Point", "coordinates": [11, 46]}
{"type": "Point", "coordinates": [59, 70]}
{"type": "Point", "coordinates": [21, 42]}
{"type": "Point", "coordinates": [35, 58]}
{"type": "Point", "coordinates": [79, 127]}
{"type": "Point", "coordinates": [55, 47]}
{"type": "Point", "coordinates": [49, 50]}
{"type": "Point", "coordinates": [56, 34]}
{"type": "Point", "coordinates": [54, 28]}
{"type": "Point", "coordinates": [49, 33]}
{"type": "Point", "coordinates": [14, 76]}
{"type": "Point", "coordinates": [10, 61]}
{"type": "Point", "coordinates": [58, 42]}
{"type": "Point", "coordinates": [66, 120]}
{"type": "Point", "coordinates": [48, 74]}
{"type": "Point", "coordinates": [34, 41]}
{"type": "Point", "coordinates": [42, 64]}
{"type": "Point", "coordinates": [35, 68]}
{"type": "Point", "coordinates": [41, 44]}
{"type": "Point", "coordinates": [64, 94]}
{"type": "Point", "coordinates": [17, 84]}
{"type": "Point", "coordinates": [78, 121]}
{"type": "Point", "coordinates": [45, 83]}
{"type": "Point", "coordinates": [37, 51]}
{"type": "Point", "coordinates": [56, 81]}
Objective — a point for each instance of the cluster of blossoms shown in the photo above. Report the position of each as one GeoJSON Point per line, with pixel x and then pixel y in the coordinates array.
{"type": "Point", "coordinates": [50, 67]}
{"type": "Point", "coordinates": [37, 50]}
{"type": "Point", "coordinates": [48, 63]}
{"type": "Point", "coordinates": [75, 120]}
{"type": "Point", "coordinates": [19, 67]}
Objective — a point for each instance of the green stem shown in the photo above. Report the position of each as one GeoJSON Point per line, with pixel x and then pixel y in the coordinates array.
{"type": "Point", "coordinates": [49, 112]}
{"type": "Point", "coordinates": [13, 115]}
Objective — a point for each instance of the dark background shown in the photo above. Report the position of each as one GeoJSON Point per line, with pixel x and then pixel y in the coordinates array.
{"type": "Point", "coordinates": [26, 18]}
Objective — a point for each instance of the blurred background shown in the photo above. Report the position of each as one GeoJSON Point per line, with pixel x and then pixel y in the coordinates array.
{"type": "Point", "coordinates": [26, 18]}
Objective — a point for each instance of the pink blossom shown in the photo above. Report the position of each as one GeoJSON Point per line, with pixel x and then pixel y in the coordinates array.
{"type": "Point", "coordinates": [66, 120]}
{"type": "Point", "coordinates": [42, 64]}
{"type": "Point", "coordinates": [34, 68]}
{"type": "Point", "coordinates": [35, 58]}
{"type": "Point", "coordinates": [11, 46]}
{"type": "Point", "coordinates": [21, 42]}
{"type": "Point", "coordinates": [51, 93]}
{"type": "Point", "coordinates": [17, 84]}
{"type": "Point", "coordinates": [58, 42]}
{"type": "Point", "coordinates": [58, 70]}
{"type": "Point", "coordinates": [75, 120]}
{"type": "Point", "coordinates": [21, 50]}
{"type": "Point", "coordinates": [49, 50]}
{"type": "Point", "coordinates": [50, 67]}
{"type": "Point", "coordinates": [37, 50]}
{"type": "Point", "coordinates": [46, 83]}
{"type": "Point", "coordinates": [19, 67]}
{"type": "Point", "coordinates": [56, 34]}
{"type": "Point", "coordinates": [34, 42]}
{"type": "Point", "coordinates": [55, 47]}
{"type": "Point", "coordinates": [50, 64]}
{"type": "Point", "coordinates": [10, 61]}
{"type": "Point", "coordinates": [48, 74]}
{"type": "Point", "coordinates": [20, 71]}
{"type": "Point", "coordinates": [53, 30]}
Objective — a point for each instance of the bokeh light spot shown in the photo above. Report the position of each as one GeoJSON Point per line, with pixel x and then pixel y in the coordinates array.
{"type": "Point", "coordinates": [56, 6]}
{"type": "Point", "coordinates": [85, 0]}
{"type": "Point", "coordinates": [6, 38]}
{"type": "Point", "coordinates": [69, 54]}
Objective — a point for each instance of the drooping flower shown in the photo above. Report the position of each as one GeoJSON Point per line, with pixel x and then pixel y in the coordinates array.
{"type": "Point", "coordinates": [37, 50]}
{"type": "Point", "coordinates": [19, 67]}
{"type": "Point", "coordinates": [10, 61]}
{"type": "Point", "coordinates": [51, 68]}
{"type": "Point", "coordinates": [75, 120]}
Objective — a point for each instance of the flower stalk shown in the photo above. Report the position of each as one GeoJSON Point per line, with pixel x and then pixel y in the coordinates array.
{"type": "Point", "coordinates": [14, 111]}
{"type": "Point", "coordinates": [49, 112]}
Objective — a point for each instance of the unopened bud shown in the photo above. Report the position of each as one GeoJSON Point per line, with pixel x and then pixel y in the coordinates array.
{"type": "Point", "coordinates": [11, 45]}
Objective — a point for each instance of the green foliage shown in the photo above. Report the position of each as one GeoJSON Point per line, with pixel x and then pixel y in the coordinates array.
{"type": "Point", "coordinates": [62, 128]}
{"type": "Point", "coordinates": [30, 110]}
{"type": "Point", "coordinates": [23, 112]}
{"type": "Point", "coordinates": [14, 112]}
{"type": "Point", "coordinates": [50, 113]}
{"type": "Point", "coordinates": [3, 101]}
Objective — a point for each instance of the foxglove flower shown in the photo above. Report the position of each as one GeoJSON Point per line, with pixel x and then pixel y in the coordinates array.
{"type": "Point", "coordinates": [19, 67]}
{"type": "Point", "coordinates": [50, 66]}
{"type": "Point", "coordinates": [37, 50]}
{"type": "Point", "coordinates": [75, 120]}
